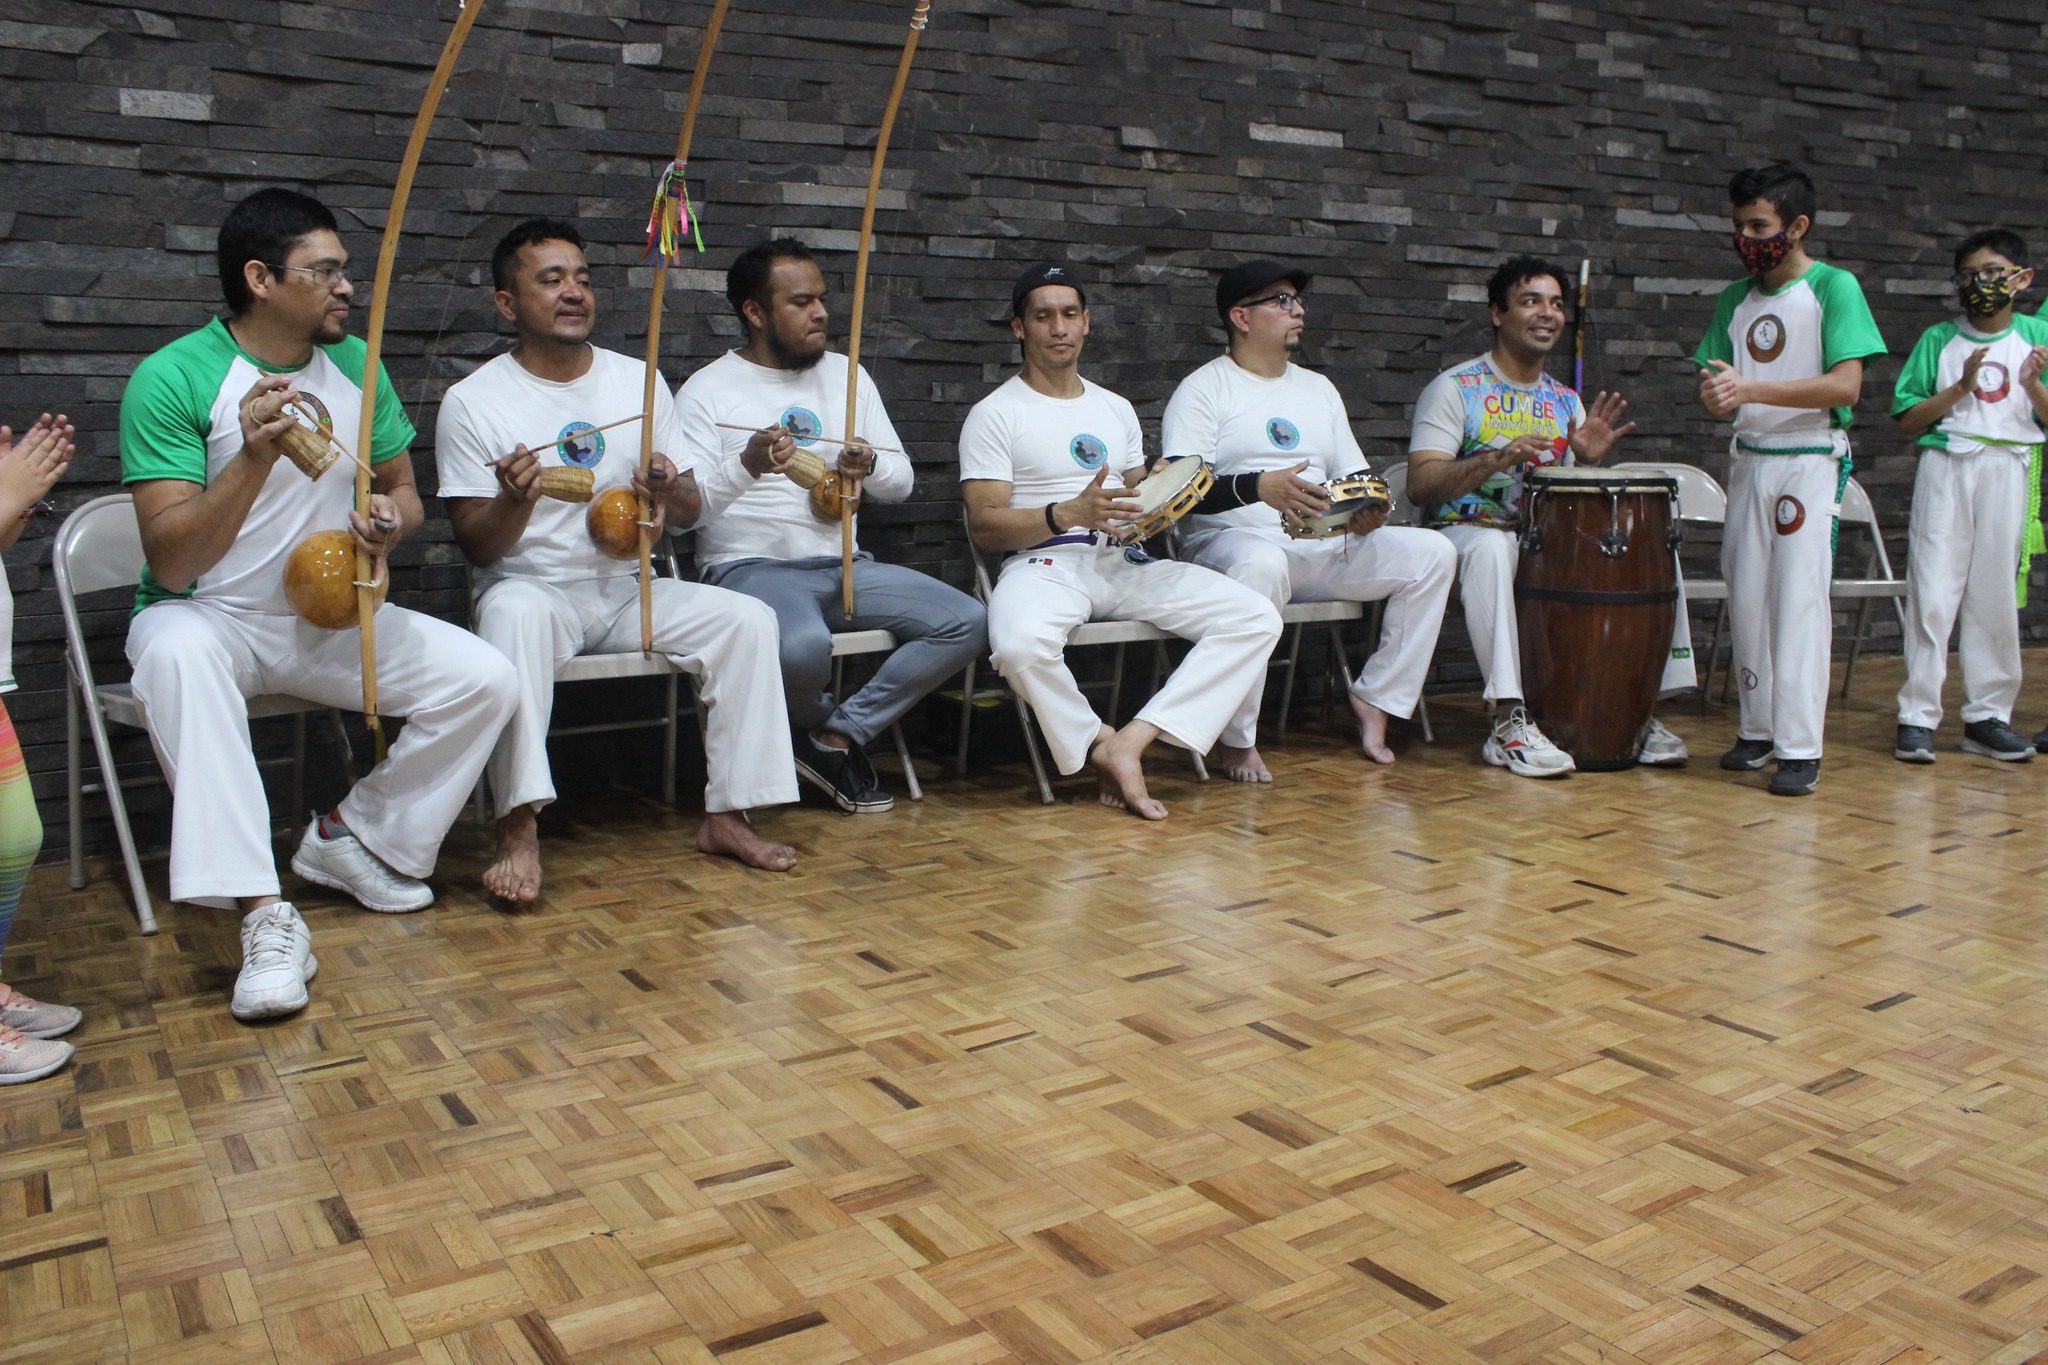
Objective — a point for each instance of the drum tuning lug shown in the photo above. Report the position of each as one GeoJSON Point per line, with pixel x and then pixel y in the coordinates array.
{"type": "Point", "coordinates": [1532, 540]}
{"type": "Point", "coordinates": [1613, 544]}
{"type": "Point", "coordinates": [1674, 537]}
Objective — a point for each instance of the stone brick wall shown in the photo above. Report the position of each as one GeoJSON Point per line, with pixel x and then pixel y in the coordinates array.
{"type": "Point", "coordinates": [1397, 147]}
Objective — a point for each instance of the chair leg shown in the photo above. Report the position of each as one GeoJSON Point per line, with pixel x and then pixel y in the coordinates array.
{"type": "Point", "coordinates": [1855, 645]}
{"type": "Point", "coordinates": [966, 719]}
{"type": "Point", "coordinates": [1031, 749]}
{"type": "Point", "coordinates": [1422, 714]}
{"type": "Point", "coordinates": [74, 781]}
{"type": "Point", "coordinates": [344, 749]}
{"type": "Point", "coordinates": [145, 910]}
{"type": "Point", "coordinates": [1287, 682]}
{"type": "Point", "coordinates": [1116, 684]}
{"type": "Point", "coordinates": [671, 708]}
{"type": "Point", "coordinates": [298, 787]}
{"type": "Point", "coordinates": [909, 768]}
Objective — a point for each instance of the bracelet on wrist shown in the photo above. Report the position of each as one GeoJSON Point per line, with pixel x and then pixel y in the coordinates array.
{"type": "Point", "coordinates": [1050, 524]}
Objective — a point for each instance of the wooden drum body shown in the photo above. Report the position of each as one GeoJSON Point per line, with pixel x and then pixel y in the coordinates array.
{"type": "Point", "coordinates": [1595, 594]}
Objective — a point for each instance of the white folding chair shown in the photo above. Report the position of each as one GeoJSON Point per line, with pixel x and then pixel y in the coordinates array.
{"type": "Point", "coordinates": [1878, 580]}
{"type": "Point", "coordinates": [1702, 502]}
{"type": "Point", "coordinates": [1114, 633]}
{"type": "Point", "coordinates": [99, 548]}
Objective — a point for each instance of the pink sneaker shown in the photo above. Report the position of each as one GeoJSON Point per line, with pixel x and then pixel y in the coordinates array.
{"type": "Point", "coordinates": [37, 1018]}
{"type": "Point", "coordinates": [23, 1058]}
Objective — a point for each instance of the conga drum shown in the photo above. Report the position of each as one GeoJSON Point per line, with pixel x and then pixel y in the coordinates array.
{"type": "Point", "coordinates": [1594, 596]}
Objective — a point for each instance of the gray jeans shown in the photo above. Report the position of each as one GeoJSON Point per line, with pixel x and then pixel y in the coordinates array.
{"type": "Point", "coordinates": [938, 630]}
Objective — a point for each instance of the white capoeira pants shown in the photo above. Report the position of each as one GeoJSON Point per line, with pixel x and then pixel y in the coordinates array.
{"type": "Point", "coordinates": [197, 664]}
{"type": "Point", "coordinates": [1408, 569]}
{"type": "Point", "coordinates": [1042, 594]}
{"type": "Point", "coordinates": [1963, 554]}
{"type": "Point", "coordinates": [1487, 559]}
{"type": "Point", "coordinates": [1778, 555]}
{"type": "Point", "coordinates": [725, 640]}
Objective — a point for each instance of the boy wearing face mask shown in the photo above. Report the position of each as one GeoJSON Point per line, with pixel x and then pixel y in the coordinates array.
{"type": "Point", "coordinates": [1783, 359]}
{"type": "Point", "coordinates": [1971, 394]}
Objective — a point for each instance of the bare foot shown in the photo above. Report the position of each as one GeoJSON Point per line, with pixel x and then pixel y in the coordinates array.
{"type": "Point", "coordinates": [727, 832]}
{"type": "Point", "coordinates": [1372, 730]}
{"type": "Point", "coordinates": [515, 877]}
{"type": "Point", "coordinates": [1120, 774]}
{"type": "Point", "coordinates": [1242, 765]}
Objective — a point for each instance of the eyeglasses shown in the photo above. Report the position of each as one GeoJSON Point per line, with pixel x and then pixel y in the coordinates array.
{"type": "Point", "coordinates": [1287, 299]}
{"type": "Point", "coordinates": [1989, 274]}
{"type": "Point", "coordinates": [324, 275]}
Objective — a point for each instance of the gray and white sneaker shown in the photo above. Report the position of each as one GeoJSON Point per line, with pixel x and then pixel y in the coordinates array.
{"type": "Point", "coordinates": [1913, 744]}
{"type": "Point", "coordinates": [277, 962]}
{"type": "Point", "coordinates": [1995, 739]}
{"type": "Point", "coordinates": [37, 1018]}
{"type": "Point", "coordinates": [343, 864]}
{"type": "Point", "coordinates": [1517, 745]}
{"type": "Point", "coordinates": [1660, 748]}
{"type": "Point", "coordinates": [23, 1058]}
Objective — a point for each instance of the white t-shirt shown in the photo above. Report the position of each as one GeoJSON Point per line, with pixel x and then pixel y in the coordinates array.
{"type": "Point", "coordinates": [484, 416]}
{"type": "Point", "coordinates": [770, 517]}
{"type": "Point", "coordinates": [1048, 449]}
{"type": "Point", "coordinates": [1244, 423]}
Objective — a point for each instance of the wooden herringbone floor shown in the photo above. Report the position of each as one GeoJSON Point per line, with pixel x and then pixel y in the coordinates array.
{"type": "Point", "coordinates": [1425, 1064]}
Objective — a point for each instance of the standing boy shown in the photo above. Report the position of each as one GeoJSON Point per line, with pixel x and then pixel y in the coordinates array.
{"type": "Point", "coordinates": [1971, 393]}
{"type": "Point", "coordinates": [1783, 360]}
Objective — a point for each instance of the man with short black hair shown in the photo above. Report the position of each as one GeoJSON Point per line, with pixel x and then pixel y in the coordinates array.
{"type": "Point", "coordinates": [757, 534]}
{"type": "Point", "coordinates": [202, 423]}
{"type": "Point", "coordinates": [1035, 459]}
{"type": "Point", "coordinates": [1277, 434]}
{"type": "Point", "coordinates": [1478, 428]}
{"type": "Point", "coordinates": [545, 593]}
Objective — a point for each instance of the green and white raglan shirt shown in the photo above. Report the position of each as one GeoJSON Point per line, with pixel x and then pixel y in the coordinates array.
{"type": "Point", "coordinates": [1801, 331]}
{"type": "Point", "coordinates": [1996, 418]}
{"type": "Point", "coordinates": [180, 420]}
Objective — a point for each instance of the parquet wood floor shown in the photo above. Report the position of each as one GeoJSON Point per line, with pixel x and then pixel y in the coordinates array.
{"type": "Point", "coordinates": [1425, 1064]}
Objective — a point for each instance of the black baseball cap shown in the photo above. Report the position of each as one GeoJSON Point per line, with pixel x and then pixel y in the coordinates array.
{"type": "Point", "coordinates": [1040, 275]}
{"type": "Point", "coordinates": [1249, 277]}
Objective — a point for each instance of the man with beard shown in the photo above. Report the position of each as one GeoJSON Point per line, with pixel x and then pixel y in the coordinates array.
{"type": "Point", "coordinates": [1971, 394]}
{"type": "Point", "coordinates": [1276, 434]}
{"type": "Point", "coordinates": [202, 425]}
{"type": "Point", "coordinates": [545, 593]}
{"type": "Point", "coordinates": [1783, 361]}
{"type": "Point", "coordinates": [757, 534]}
{"type": "Point", "coordinates": [1477, 428]}
{"type": "Point", "coordinates": [1035, 457]}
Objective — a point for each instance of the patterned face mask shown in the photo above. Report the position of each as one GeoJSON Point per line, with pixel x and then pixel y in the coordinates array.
{"type": "Point", "coordinates": [1761, 255]}
{"type": "Point", "coordinates": [1983, 298]}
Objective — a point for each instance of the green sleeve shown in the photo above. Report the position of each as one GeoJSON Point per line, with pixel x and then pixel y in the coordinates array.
{"type": "Point", "coordinates": [163, 426]}
{"type": "Point", "coordinates": [392, 432]}
{"type": "Point", "coordinates": [1922, 375]}
{"type": "Point", "coordinates": [1716, 344]}
{"type": "Point", "coordinates": [1847, 330]}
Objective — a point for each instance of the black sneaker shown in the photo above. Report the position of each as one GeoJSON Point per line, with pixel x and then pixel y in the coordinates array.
{"type": "Point", "coordinates": [1915, 744]}
{"type": "Point", "coordinates": [1748, 755]}
{"type": "Point", "coordinates": [1795, 777]}
{"type": "Point", "coordinates": [1995, 739]}
{"type": "Point", "coordinates": [864, 772]}
{"type": "Point", "coordinates": [2041, 742]}
{"type": "Point", "coordinates": [837, 773]}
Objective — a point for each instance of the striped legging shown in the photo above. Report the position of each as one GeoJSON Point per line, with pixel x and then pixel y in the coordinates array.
{"type": "Point", "coordinates": [21, 829]}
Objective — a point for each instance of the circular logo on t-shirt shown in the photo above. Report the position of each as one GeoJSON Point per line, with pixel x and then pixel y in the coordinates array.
{"type": "Point", "coordinates": [580, 444]}
{"type": "Point", "coordinates": [1994, 382]}
{"type": "Point", "coordinates": [802, 423]}
{"type": "Point", "coordinates": [1089, 452]}
{"type": "Point", "coordinates": [1283, 433]}
{"type": "Point", "coordinates": [1790, 514]}
{"type": "Point", "coordinates": [1766, 338]}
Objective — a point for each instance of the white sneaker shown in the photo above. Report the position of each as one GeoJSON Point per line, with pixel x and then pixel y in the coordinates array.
{"type": "Point", "coordinates": [37, 1018]}
{"type": "Point", "coordinates": [343, 864]}
{"type": "Point", "coordinates": [23, 1058]}
{"type": "Point", "coordinates": [1517, 745]}
{"type": "Point", "coordinates": [1660, 748]}
{"type": "Point", "coordinates": [277, 962]}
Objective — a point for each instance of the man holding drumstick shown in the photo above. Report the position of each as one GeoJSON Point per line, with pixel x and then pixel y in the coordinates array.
{"type": "Point", "coordinates": [1478, 426]}
{"type": "Point", "coordinates": [786, 390]}
{"type": "Point", "coordinates": [544, 591]}
{"type": "Point", "coordinates": [1035, 457]}
{"type": "Point", "coordinates": [1276, 432]}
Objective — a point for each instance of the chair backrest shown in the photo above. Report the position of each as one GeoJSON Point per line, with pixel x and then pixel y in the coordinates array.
{"type": "Point", "coordinates": [1395, 473]}
{"type": "Point", "coordinates": [1856, 508]}
{"type": "Point", "coordinates": [1700, 496]}
{"type": "Point", "coordinates": [98, 547]}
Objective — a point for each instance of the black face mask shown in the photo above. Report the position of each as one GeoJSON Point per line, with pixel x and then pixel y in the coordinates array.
{"type": "Point", "coordinates": [1981, 299]}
